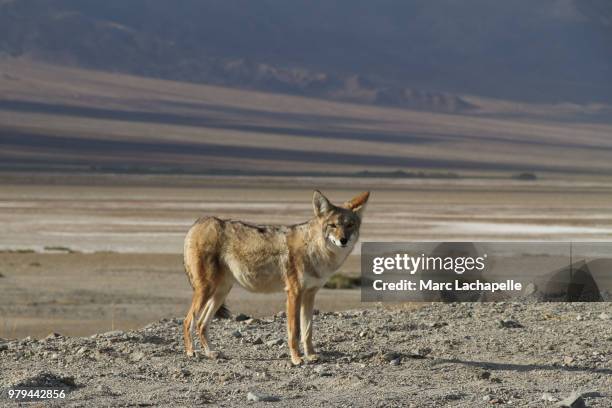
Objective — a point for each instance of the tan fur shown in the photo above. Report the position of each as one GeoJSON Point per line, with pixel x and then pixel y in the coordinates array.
{"type": "Point", "coordinates": [297, 259]}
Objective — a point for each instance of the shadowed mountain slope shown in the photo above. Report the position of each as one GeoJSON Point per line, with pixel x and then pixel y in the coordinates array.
{"type": "Point", "coordinates": [418, 54]}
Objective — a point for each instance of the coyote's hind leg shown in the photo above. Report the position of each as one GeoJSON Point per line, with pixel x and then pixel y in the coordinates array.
{"type": "Point", "coordinates": [206, 315]}
{"type": "Point", "coordinates": [189, 322]}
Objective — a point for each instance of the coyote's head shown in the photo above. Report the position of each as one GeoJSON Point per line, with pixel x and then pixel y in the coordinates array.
{"type": "Point", "coordinates": [340, 225]}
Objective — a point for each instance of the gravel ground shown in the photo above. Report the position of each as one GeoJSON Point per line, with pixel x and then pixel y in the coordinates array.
{"type": "Point", "coordinates": [440, 355]}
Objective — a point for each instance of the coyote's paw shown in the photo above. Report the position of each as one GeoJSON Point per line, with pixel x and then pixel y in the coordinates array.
{"type": "Point", "coordinates": [296, 360]}
{"type": "Point", "coordinates": [312, 358]}
{"type": "Point", "coordinates": [190, 353]}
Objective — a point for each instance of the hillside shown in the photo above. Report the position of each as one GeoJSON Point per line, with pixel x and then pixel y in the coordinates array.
{"type": "Point", "coordinates": [416, 54]}
{"type": "Point", "coordinates": [55, 117]}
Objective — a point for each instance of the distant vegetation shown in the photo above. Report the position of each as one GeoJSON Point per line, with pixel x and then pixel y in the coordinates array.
{"type": "Point", "coordinates": [339, 281]}
{"type": "Point", "coordinates": [406, 174]}
{"type": "Point", "coordinates": [130, 169]}
{"type": "Point", "coordinates": [60, 249]}
{"type": "Point", "coordinates": [52, 248]}
{"type": "Point", "coordinates": [526, 176]}
{"type": "Point", "coordinates": [170, 170]}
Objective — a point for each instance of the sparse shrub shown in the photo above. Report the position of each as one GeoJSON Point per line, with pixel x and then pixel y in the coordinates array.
{"type": "Point", "coordinates": [343, 282]}
{"type": "Point", "coordinates": [60, 249]}
{"type": "Point", "coordinates": [526, 176]}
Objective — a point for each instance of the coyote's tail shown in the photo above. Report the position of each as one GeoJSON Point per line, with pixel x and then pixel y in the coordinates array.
{"type": "Point", "coordinates": [223, 312]}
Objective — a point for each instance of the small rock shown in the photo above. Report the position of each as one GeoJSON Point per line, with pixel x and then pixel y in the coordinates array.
{"type": "Point", "coordinates": [549, 397]}
{"type": "Point", "coordinates": [530, 289]}
{"type": "Point", "coordinates": [567, 360]}
{"type": "Point", "coordinates": [82, 350]}
{"type": "Point", "coordinates": [573, 401]}
{"type": "Point", "coordinates": [3, 346]}
{"type": "Point", "coordinates": [258, 341]}
{"type": "Point", "coordinates": [363, 334]}
{"type": "Point", "coordinates": [604, 316]}
{"type": "Point", "coordinates": [281, 314]}
{"type": "Point", "coordinates": [241, 317]}
{"type": "Point", "coordinates": [137, 356]}
{"type": "Point", "coordinates": [323, 371]}
{"type": "Point", "coordinates": [592, 394]}
{"type": "Point", "coordinates": [151, 339]}
{"type": "Point", "coordinates": [395, 362]}
{"type": "Point", "coordinates": [492, 400]}
{"type": "Point", "coordinates": [510, 324]}
{"type": "Point", "coordinates": [103, 389]}
{"type": "Point", "coordinates": [114, 333]}
{"type": "Point", "coordinates": [236, 334]}
{"type": "Point", "coordinates": [485, 375]}
{"type": "Point", "coordinates": [579, 317]}
{"type": "Point", "coordinates": [420, 352]}
{"type": "Point", "coordinates": [181, 373]}
{"type": "Point", "coordinates": [365, 356]}
{"type": "Point", "coordinates": [390, 356]}
{"type": "Point", "coordinates": [257, 397]}
{"type": "Point", "coordinates": [275, 342]}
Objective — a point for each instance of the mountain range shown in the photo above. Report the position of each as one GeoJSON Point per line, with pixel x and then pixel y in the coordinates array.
{"type": "Point", "coordinates": [418, 54]}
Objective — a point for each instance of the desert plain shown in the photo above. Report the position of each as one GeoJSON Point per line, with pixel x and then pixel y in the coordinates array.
{"type": "Point", "coordinates": [84, 254]}
{"type": "Point", "coordinates": [102, 174]}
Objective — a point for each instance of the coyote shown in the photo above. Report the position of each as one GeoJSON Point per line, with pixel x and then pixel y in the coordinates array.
{"type": "Point", "coordinates": [268, 258]}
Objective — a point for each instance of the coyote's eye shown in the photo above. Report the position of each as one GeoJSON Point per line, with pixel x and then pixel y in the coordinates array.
{"type": "Point", "coordinates": [349, 225]}
{"type": "Point", "coordinates": [332, 225]}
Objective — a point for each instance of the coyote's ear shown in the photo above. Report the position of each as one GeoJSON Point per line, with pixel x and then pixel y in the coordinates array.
{"type": "Point", "coordinates": [320, 204]}
{"type": "Point", "coordinates": [358, 203]}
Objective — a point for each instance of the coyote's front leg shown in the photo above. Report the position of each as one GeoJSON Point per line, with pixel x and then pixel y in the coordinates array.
{"type": "Point", "coordinates": [293, 322]}
{"type": "Point", "coordinates": [306, 311]}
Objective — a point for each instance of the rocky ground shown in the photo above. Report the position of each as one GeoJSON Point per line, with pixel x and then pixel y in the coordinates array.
{"type": "Point", "coordinates": [441, 355]}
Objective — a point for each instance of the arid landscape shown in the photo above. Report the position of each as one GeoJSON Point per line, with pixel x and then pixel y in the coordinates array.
{"type": "Point", "coordinates": [121, 123]}
{"type": "Point", "coordinates": [441, 355]}
{"type": "Point", "coordinates": [88, 253]}
{"type": "Point", "coordinates": [104, 173]}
